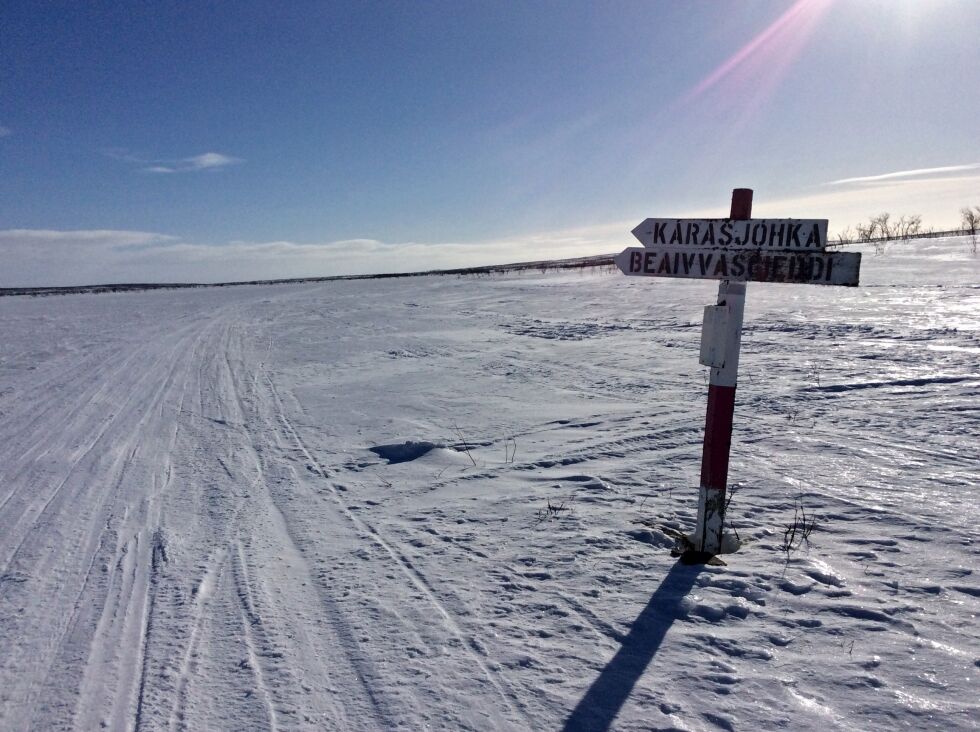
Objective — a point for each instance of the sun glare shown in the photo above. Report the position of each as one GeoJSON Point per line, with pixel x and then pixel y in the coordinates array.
{"type": "Point", "coordinates": [763, 61]}
{"type": "Point", "coordinates": [908, 16]}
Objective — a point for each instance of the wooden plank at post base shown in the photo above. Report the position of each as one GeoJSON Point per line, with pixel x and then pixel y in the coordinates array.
{"type": "Point", "coordinates": [741, 265]}
{"type": "Point", "coordinates": [808, 235]}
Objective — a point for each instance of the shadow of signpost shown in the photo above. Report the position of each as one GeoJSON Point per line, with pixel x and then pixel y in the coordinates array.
{"type": "Point", "coordinates": [596, 710]}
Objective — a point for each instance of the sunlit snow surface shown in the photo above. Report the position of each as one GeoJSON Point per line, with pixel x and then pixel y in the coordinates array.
{"type": "Point", "coordinates": [196, 534]}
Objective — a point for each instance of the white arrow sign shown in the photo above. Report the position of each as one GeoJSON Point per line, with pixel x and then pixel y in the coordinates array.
{"type": "Point", "coordinates": [800, 234]}
{"type": "Point", "coordinates": [740, 265]}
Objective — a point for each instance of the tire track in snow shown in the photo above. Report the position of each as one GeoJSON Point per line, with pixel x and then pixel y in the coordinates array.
{"type": "Point", "coordinates": [56, 497]}
{"type": "Point", "coordinates": [43, 400]}
{"type": "Point", "coordinates": [221, 531]}
{"type": "Point", "coordinates": [250, 629]}
{"type": "Point", "coordinates": [279, 652]}
{"type": "Point", "coordinates": [35, 416]}
{"type": "Point", "coordinates": [76, 630]}
{"type": "Point", "coordinates": [407, 567]}
{"type": "Point", "coordinates": [370, 705]}
{"type": "Point", "coordinates": [115, 675]}
{"type": "Point", "coordinates": [152, 580]}
{"type": "Point", "coordinates": [105, 682]}
{"type": "Point", "coordinates": [158, 555]}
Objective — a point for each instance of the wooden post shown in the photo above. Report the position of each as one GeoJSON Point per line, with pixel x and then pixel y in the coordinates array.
{"type": "Point", "coordinates": [721, 405]}
{"type": "Point", "coordinates": [761, 250]}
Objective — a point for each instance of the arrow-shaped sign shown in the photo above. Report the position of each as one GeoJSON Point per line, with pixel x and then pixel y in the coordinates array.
{"type": "Point", "coordinates": [800, 234]}
{"type": "Point", "coordinates": [741, 265]}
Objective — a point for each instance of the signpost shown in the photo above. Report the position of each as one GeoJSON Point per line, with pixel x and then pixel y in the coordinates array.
{"type": "Point", "coordinates": [735, 250]}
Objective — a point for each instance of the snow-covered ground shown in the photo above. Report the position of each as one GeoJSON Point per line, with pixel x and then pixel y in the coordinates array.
{"type": "Point", "coordinates": [195, 532]}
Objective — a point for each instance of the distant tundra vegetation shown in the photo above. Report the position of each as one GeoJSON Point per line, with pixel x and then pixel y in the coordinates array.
{"type": "Point", "coordinates": [884, 227]}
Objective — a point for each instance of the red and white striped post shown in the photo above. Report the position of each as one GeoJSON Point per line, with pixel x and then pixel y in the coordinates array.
{"type": "Point", "coordinates": [721, 403]}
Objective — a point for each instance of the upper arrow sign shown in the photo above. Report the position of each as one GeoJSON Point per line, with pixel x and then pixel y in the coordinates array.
{"type": "Point", "coordinates": [809, 235]}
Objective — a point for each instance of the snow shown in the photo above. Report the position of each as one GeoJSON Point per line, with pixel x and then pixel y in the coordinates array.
{"type": "Point", "coordinates": [448, 503]}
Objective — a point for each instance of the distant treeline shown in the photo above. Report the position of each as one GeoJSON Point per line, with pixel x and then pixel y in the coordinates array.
{"type": "Point", "coordinates": [884, 228]}
{"type": "Point", "coordinates": [543, 266]}
{"type": "Point", "coordinates": [894, 237]}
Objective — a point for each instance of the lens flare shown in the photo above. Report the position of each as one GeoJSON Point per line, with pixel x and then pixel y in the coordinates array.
{"type": "Point", "coordinates": [753, 72]}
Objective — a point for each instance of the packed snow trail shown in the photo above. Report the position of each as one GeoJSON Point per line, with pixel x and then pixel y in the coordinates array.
{"type": "Point", "coordinates": [156, 570]}
{"type": "Point", "coordinates": [196, 534]}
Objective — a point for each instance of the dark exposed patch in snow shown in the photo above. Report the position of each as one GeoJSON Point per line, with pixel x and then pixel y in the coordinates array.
{"type": "Point", "coordinates": [404, 452]}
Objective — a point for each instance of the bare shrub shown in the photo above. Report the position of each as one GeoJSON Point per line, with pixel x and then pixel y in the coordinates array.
{"type": "Point", "coordinates": [970, 220]}
{"type": "Point", "coordinates": [884, 225]}
{"type": "Point", "coordinates": [798, 533]}
{"type": "Point", "coordinates": [510, 450]}
{"type": "Point", "coordinates": [552, 510]}
{"type": "Point", "coordinates": [466, 447]}
{"type": "Point", "coordinates": [867, 231]}
{"type": "Point", "coordinates": [908, 227]}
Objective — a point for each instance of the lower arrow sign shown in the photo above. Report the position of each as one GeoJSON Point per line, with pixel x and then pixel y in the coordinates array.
{"type": "Point", "coordinates": [743, 265]}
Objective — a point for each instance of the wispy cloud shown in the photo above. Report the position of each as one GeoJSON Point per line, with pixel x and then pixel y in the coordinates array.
{"type": "Point", "coordinates": [5, 131]}
{"type": "Point", "coordinates": [899, 174]}
{"type": "Point", "coordinates": [99, 237]}
{"type": "Point", "coordinates": [193, 164]}
{"type": "Point", "coordinates": [205, 161]}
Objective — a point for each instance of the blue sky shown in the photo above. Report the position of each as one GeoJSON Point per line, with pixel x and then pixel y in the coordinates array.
{"type": "Point", "coordinates": [213, 141]}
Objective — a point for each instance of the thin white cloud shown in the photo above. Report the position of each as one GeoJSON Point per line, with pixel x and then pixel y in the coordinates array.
{"type": "Point", "coordinates": [195, 163]}
{"type": "Point", "coordinates": [36, 258]}
{"type": "Point", "coordinates": [39, 257]}
{"type": "Point", "coordinates": [102, 237]}
{"type": "Point", "coordinates": [916, 173]}
{"type": "Point", "coordinates": [5, 131]}
{"type": "Point", "coordinates": [211, 160]}
{"type": "Point", "coordinates": [204, 161]}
